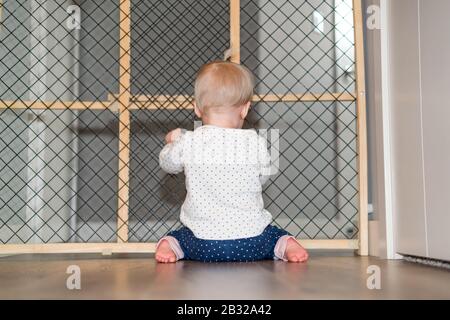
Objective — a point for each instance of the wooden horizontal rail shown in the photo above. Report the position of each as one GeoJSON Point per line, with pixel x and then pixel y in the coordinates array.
{"type": "Point", "coordinates": [103, 248]}
{"type": "Point", "coordinates": [110, 248]}
{"type": "Point", "coordinates": [56, 105]}
{"type": "Point", "coordinates": [186, 101]}
{"type": "Point", "coordinates": [165, 102]}
{"type": "Point", "coordinates": [305, 97]}
{"type": "Point", "coordinates": [302, 97]}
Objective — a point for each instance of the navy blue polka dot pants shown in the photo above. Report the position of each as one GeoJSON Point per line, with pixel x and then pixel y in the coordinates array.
{"type": "Point", "coordinates": [240, 250]}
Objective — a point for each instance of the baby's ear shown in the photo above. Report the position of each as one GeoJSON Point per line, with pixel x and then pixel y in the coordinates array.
{"type": "Point", "coordinates": [245, 109]}
{"type": "Point", "coordinates": [197, 111]}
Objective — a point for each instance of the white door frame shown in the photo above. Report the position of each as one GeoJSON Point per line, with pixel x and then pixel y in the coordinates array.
{"type": "Point", "coordinates": [390, 252]}
{"type": "Point", "coordinates": [381, 229]}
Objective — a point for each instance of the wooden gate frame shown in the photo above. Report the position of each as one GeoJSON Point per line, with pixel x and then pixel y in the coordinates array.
{"type": "Point", "coordinates": [123, 105]}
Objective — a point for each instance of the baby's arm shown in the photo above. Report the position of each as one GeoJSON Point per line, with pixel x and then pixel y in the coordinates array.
{"type": "Point", "coordinates": [171, 156]}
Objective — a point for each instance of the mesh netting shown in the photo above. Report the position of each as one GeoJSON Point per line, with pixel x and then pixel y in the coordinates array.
{"type": "Point", "coordinates": [59, 115]}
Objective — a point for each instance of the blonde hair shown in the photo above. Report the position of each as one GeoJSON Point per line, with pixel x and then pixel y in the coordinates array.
{"type": "Point", "coordinates": [223, 84]}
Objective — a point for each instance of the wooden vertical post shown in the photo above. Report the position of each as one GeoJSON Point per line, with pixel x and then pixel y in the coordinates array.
{"type": "Point", "coordinates": [124, 120]}
{"type": "Point", "coordinates": [361, 128]}
{"type": "Point", "coordinates": [235, 31]}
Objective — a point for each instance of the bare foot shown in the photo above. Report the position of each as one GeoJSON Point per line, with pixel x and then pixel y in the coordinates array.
{"type": "Point", "coordinates": [295, 252]}
{"type": "Point", "coordinates": [164, 253]}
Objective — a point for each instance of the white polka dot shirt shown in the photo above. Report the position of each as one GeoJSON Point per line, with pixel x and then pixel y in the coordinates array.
{"type": "Point", "coordinates": [225, 170]}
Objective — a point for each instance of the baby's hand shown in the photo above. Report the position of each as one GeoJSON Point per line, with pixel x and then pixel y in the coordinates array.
{"type": "Point", "coordinates": [173, 135]}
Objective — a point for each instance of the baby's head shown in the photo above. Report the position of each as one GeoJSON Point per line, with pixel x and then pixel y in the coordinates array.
{"type": "Point", "coordinates": [223, 93]}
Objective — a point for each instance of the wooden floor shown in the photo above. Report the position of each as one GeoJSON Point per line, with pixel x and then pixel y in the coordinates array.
{"type": "Point", "coordinates": [139, 277]}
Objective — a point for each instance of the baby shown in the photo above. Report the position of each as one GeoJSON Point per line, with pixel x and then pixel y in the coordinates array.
{"type": "Point", "coordinates": [225, 167]}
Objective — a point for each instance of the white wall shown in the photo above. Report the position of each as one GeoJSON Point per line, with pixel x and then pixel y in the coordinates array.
{"type": "Point", "coordinates": [435, 70]}
{"type": "Point", "coordinates": [418, 76]}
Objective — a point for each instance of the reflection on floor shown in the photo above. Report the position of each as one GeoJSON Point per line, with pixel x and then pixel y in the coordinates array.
{"type": "Point", "coordinates": [325, 276]}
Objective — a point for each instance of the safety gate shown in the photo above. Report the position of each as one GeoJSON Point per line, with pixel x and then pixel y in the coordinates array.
{"type": "Point", "coordinates": [89, 88]}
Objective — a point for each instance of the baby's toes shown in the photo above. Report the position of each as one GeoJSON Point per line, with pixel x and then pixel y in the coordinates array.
{"type": "Point", "coordinates": [303, 258]}
{"type": "Point", "coordinates": [297, 257]}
